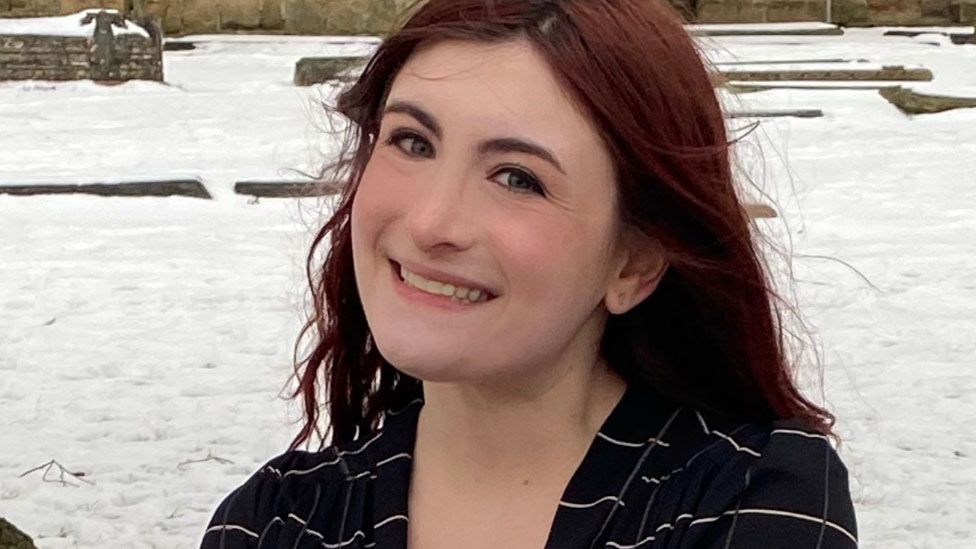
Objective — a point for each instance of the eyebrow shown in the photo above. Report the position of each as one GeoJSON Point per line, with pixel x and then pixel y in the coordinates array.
{"type": "Point", "coordinates": [495, 145]}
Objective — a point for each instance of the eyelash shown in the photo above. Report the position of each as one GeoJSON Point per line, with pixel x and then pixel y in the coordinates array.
{"type": "Point", "coordinates": [536, 186]}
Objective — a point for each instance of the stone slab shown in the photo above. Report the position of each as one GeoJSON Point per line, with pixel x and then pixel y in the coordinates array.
{"type": "Point", "coordinates": [287, 189]}
{"type": "Point", "coordinates": [887, 73]}
{"type": "Point", "coordinates": [785, 113]}
{"type": "Point", "coordinates": [193, 188]}
{"type": "Point", "coordinates": [912, 102]}
{"type": "Point", "coordinates": [316, 70]}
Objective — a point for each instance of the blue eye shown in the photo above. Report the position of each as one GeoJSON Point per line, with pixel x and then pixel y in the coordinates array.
{"type": "Point", "coordinates": [518, 181]}
{"type": "Point", "coordinates": [411, 144]}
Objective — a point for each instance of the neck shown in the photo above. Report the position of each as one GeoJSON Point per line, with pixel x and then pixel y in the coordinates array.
{"type": "Point", "coordinates": [480, 437]}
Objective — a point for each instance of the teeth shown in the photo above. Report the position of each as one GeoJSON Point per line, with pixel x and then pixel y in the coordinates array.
{"type": "Point", "coordinates": [442, 288]}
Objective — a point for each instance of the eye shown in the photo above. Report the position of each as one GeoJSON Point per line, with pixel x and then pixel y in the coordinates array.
{"type": "Point", "coordinates": [411, 143]}
{"type": "Point", "coordinates": [518, 181]}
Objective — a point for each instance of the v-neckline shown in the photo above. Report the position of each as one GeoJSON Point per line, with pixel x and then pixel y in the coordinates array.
{"type": "Point", "coordinates": [605, 467]}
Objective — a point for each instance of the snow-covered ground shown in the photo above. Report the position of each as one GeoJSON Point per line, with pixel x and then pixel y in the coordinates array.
{"type": "Point", "coordinates": [144, 342]}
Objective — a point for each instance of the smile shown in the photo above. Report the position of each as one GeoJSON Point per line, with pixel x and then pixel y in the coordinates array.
{"type": "Point", "coordinates": [435, 287]}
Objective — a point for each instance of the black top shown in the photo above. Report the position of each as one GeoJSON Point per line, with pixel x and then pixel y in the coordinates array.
{"type": "Point", "coordinates": [655, 476]}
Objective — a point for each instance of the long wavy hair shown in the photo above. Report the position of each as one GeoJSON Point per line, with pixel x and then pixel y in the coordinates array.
{"type": "Point", "coordinates": [711, 336]}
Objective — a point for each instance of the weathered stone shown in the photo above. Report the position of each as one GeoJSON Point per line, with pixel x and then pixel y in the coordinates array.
{"type": "Point", "coordinates": [316, 70]}
{"type": "Point", "coordinates": [104, 57]}
{"type": "Point", "coordinates": [12, 538]}
{"type": "Point", "coordinates": [192, 188]}
{"type": "Point", "coordinates": [272, 15]}
{"type": "Point", "coordinates": [74, 6]}
{"type": "Point", "coordinates": [239, 15]}
{"type": "Point", "coordinates": [964, 11]}
{"type": "Point", "coordinates": [887, 73]}
{"type": "Point", "coordinates": [847, 12]}
{"type": "Point", "coordinates": [287, 189]}
{"type": "Point", "coordinates": [200, 16]}
{"type": "Point", "coordinates": [911, 102]}
{"type": "Point", "coordinates": [339, 17]}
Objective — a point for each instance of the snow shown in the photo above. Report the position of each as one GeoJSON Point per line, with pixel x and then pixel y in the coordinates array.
{"type": "Point", "coordinates": [140, 335]}
{"type": "Point", "coordinates": [763, 27]}
{"type": "Point", "coordinates": [67, 25]}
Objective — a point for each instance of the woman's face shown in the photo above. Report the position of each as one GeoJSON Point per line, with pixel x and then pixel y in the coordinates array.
{"type": "Point", "coordinates": [484, 228]}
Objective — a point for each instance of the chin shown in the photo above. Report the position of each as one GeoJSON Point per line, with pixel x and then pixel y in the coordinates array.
{"type": "Point", "coordinates": [435, 363]}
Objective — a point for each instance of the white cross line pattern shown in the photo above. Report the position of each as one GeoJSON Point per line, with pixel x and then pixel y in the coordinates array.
{"type": "Point", "coordinates": [304, 523]}
{"type": "Point", "coordinates": [591, 504]}
{"type": "Point", "coordinates": [631, 545]}
{"type": "Point", "coordinates": [725, 437]}
{"type": "Point", "coordinates": [799, 433]}
{"type": "Point", "coordinates": [360, 533]}
{"type": "Point", "coordinates": [332, 462]}
{"type": "Point", "coordinates": [662, 478]}
{"type": "Point", "coordinates": [777, 513]}
{"type": "Point", "coordinates": [632, 444]}
{"type": "Point", "coordinates": [220, 527]}
{"type": "Point", "coordinates": [405, 408]}
{"type": "Point", "coordinates": [392, 458]}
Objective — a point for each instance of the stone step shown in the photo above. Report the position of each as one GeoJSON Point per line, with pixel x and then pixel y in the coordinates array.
{"type": "Point", "coordinates": [287, 189]}
{"type": "Point", "coordinates": [886, 73]}
{"type": "Point", "coordinates": [193, 188]}
{"type": "Point", "coordinates": [912, 102]}
{"type": "Point", "coordinates": [777, 113]}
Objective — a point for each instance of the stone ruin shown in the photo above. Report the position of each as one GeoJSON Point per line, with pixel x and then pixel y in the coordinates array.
{"type": "Point", "coordinates": [115, 49]}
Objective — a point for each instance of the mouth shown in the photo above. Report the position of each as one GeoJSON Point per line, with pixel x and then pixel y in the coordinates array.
{"type": "Point", "coordinates": [449, 291]}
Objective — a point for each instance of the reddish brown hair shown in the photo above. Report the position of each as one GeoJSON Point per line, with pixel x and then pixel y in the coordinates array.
{"type": "Point", "coordinates": [710, 336]}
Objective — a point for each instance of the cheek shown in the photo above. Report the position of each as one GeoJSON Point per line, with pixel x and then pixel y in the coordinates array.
{"type": "Point", "coordinates": [376, 200]}
{"type": "Point", "coordinates": [553, 258]}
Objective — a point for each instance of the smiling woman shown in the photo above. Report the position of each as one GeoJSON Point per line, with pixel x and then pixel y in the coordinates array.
{"type": "Point", "coordinates": [542, 320]}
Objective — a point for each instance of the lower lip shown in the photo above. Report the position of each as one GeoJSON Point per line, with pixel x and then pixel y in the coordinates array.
{"type": "Point", "coordinates": [419, 296]}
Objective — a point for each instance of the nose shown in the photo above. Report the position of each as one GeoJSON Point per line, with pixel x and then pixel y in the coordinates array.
{"type": "Point", "coordinates": [437, 220]}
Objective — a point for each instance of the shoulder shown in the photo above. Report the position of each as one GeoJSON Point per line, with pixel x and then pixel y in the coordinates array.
{"type": "Point", "coordinates": [293, 483]}
{"type": "Point", "coordinates": [254, 506]}
{"type": "Point", "coordinates": [779, 483]}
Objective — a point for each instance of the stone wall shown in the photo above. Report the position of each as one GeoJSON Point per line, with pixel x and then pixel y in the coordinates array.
{"type": "Point", "coordinates": [377, 16]}
{"type": "Point", "coordinates": [103, 57]}
{"type": "Point", "coordinates": [276, 16]}
{"type": "Point", "coordinates": [45, 8]}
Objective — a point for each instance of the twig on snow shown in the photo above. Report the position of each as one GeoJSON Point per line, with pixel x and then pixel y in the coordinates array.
{"type": "Point", "coordinates": [210, 457]}
{"type": "Point", "coordinates": [52, 468]}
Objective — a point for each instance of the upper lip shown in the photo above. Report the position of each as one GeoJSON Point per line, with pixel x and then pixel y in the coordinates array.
{"type": "Point", "coordinates": [441, 276]}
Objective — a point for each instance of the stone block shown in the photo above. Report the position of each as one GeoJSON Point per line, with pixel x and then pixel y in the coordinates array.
{"type": "Point", "coordinates": [239, 14]}
{"type": "Point", "coordinates": [781, 11]}
{"type": "Point", "coordinates": [272, 16]}
{"type": "Point", "coordinates": [74, 6]}
{"type": "Point", "coordinates": [339, 17]}
{"type": "Point", "coordinates": [910, 102]}
{"type": "Point", "coordinates": [169, 12]}
{"type": "Point", "coordinates": [844, 12]}
{"type": "Point", "coordinates": [716, 11]}
{"type": "Point", "coordinates": [936, 8]}
{"type": "Point", "coordinates": [893, 12]}
{"type": "Point", "coordinates": [316, 70]}
{"type": "Point", "coordinates": [12, 538]}
{"type": "Point", "coordinates": [964, 11]}
{"type": "Point", "coordinates": [200, 17]}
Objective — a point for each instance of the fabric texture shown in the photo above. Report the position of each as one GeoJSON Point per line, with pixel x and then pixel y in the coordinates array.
{"type": "Point", "coordinates": [655, 476]}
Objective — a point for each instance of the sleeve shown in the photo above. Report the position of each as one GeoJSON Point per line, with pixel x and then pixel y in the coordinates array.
{"type": "Point", "coordinates": [244, 519]}
{"type": "Point", "coordinates": [794, 495]}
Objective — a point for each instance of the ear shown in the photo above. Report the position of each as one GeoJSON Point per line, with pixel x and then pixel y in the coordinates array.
{"type": "Point", "coordinates": [640, 266]}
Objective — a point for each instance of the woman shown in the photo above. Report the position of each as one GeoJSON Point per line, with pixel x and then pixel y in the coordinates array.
{"type": "Point", "coordinates": [542, 320]}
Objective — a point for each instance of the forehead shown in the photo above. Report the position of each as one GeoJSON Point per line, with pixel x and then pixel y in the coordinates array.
{"type": "Point", "coordinates": [506, 87]}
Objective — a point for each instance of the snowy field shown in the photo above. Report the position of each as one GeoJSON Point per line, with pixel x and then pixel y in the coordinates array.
{"type": "Point", "coordinates": [144, 342]}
